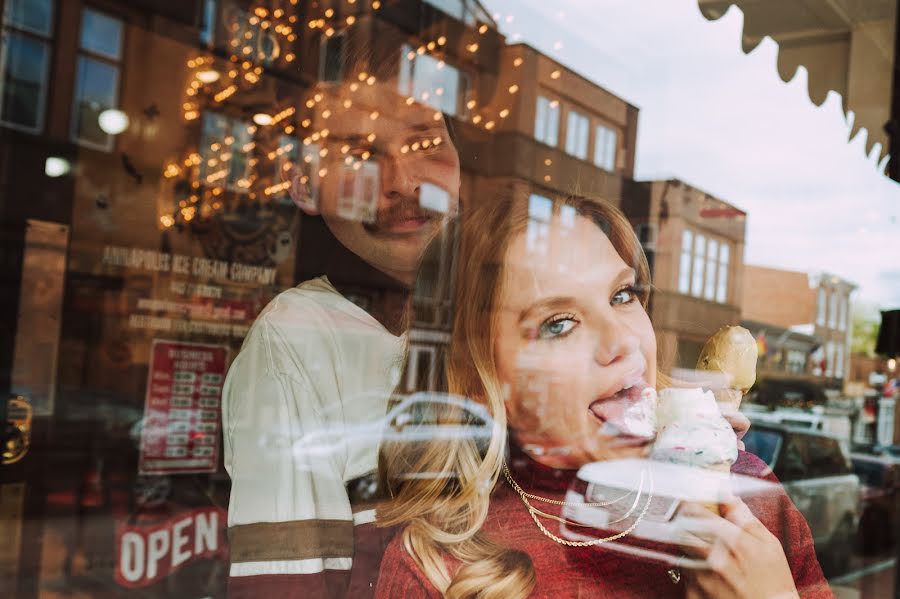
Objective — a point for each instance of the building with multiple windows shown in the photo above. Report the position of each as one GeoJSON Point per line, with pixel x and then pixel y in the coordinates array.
{"type": "Point", "coordinates": [817, 305]}
{"type": "Point", "coordinates": [695, 245]}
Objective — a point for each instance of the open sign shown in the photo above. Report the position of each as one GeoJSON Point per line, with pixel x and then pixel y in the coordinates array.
{"type": "Point", "coordinates": [147, 553]}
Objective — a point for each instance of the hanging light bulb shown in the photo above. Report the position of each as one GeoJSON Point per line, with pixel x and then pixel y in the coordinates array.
{"type": "Point", "coordinates": [113, 121]}
{"type": "Point", "coordinates": [262, 119]}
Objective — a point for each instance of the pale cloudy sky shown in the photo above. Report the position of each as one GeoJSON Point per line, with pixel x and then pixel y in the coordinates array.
{"type": "Point", "coordinates": [724, 121]}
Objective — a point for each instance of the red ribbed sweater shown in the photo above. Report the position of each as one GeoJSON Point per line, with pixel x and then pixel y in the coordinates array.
{"type": "Point", "coordinates": [564, 572]}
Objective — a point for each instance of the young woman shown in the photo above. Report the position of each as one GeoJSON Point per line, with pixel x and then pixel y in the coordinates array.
{"type": "Point", "coordinates": [550, 333]}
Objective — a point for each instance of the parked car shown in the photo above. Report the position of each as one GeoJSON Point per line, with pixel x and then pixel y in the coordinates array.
{"type": "Point", "coordinates": [880, 480]}
{"type": "Point", "coordinates": [412, 418]}
{"type": "Point", "coordinates": [817, 475]}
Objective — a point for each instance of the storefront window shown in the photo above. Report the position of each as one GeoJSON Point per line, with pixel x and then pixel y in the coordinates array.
{"type": "Point", "coordinates": [375, 299]}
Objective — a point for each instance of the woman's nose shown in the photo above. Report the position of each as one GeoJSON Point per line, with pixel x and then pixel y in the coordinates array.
{"type": "Point", "coordinates": [615, 342]}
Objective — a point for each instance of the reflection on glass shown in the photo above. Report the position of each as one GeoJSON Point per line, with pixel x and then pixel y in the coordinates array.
{"type": "Point", "coordinates": [546, 121]}
{"type": "Point", "coordinates": [35, 16]}
{"type": "Point", "coordinates": [684, 270]}
{"type": "Point", "coordinates": [605, 148]}
{"type": "Point", "coordinates": [577, 134]}
{"type": "Point", "coordinates": [712, 255]}
{"type": "Point", "coordinates": [699, 263]}
{"type": "Point", "coordinates": [25, 63]}
{"type": "Point", "coordinates": [540, 210]}
{"type": "Point", "coordinates": [96, 89]}
{"type": "Point", "coordinates": [101, 34]}
{"type": "Point", "coordinates": [724, 265]}
{"type": "Point", "coordinates": [429, 80]}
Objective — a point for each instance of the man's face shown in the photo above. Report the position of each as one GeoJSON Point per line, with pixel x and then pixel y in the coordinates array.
{"type": "Point", "coordinates": [388, 179]}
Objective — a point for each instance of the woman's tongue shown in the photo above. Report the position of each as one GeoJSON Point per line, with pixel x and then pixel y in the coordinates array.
{"type": "Point", "coordinates": [627, 413]}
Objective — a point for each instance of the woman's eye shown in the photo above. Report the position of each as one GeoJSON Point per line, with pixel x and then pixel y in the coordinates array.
{"type": "Point", "coordinates": [624, 296]}
{"type": "Point", "coordinates": [557, 327]}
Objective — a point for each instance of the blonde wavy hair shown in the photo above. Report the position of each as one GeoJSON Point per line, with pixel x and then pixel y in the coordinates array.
{"type": "Point", "coordinates": [439, 489]}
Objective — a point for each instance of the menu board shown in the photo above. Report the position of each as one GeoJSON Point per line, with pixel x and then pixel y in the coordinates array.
{"type": "Point", "coordinates": [183, 409]}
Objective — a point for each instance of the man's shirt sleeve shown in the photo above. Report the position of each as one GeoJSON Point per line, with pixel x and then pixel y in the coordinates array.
{"type": "Point", "coordinates": [290, 522]}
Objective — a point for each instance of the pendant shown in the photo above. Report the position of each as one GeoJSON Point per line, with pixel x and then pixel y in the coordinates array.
{"type": "Point", "coordinates": [674, 575]}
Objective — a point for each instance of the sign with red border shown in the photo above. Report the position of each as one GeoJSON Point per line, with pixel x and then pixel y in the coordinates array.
{"type": "Point", "coordinates": [148, 552]}
{"type": "Point", "coordinates": [183, 408]}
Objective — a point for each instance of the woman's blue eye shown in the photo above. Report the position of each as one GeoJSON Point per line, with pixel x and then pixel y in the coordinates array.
{"type": "Point", "coordinates": [556, 328]}
{"type": "Point", "coordinates": [624, 296]}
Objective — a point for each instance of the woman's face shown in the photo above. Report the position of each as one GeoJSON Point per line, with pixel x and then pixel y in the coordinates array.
{"type": "Point", "coordinates": [574, 346]}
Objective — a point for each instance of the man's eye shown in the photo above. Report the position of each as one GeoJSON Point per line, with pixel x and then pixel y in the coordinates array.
{"type": "Point", "coordinates": [558, 326]}
{"type": "Point", "coordinates": [624, 296]}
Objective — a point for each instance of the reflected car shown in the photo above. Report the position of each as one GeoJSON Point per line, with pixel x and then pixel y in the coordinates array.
{"type": "Point", "coordinates": [879, 477]}
{"type": "Point", "coordinates": [817, 475]}
{"type": "Point", "coordinates": [420, 416]}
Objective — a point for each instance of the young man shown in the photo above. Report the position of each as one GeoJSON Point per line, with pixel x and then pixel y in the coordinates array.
{"type": "Point", "coordinates": [305, 399]}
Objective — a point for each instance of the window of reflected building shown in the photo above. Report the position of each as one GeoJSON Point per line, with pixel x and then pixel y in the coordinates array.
{"type": "Point", "coordinates": [25, 62]}
{"type": "Point", "coordinates": [546, 121]}
{"type": "Point", "coordinates": [577, 133]}
{"type": "Point", "coordinates": [605, 147]}
{"type": "Point", "coordinates": [97, 77]}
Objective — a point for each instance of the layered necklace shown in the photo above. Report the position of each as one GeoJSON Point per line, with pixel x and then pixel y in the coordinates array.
{"type": "Point", "coordinates": [534, 512]}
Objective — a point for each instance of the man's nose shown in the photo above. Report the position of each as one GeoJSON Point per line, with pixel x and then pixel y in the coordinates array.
{"type": "Point", "coordinates": [398, 179]}
{"type": "Point", "coordinates": [615, 341]}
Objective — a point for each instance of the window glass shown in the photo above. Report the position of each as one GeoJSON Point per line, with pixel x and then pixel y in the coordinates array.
{"type": "Point", "coordinates": [225, 147]}
{"type": "Point", "coordinates": [825, 457]}
{"type": "Point", "coordinates": [821, 306]}
{"type": "Point", "coordinates": [208, 31]}
{"type": "Point", "coordinates": [792, 461]}
{"type": "Point", "coordinates": [455, 8]}
{"type": "Point", "coordinates": [577, 134]}
{"type": "Point", "coordinates": [699, 264]}
{"type": "Point", "coordinates": [684, 270]}
{"type": "Point", "coordinates": [605, 148]}
{"type": "Point", "coordinates": [101, 34]}
{"type": "Point", "coordinates": [832, 310]}
{"type": "Point", "coordinates": [25, 64]}
{"type": "Point", "coordinates": [540, 210]}
{"type": "Point", "coordinates": [712, 255]}
{"type": "Point", "coordinates": [762, 443]}
{"type": "Point", "coordinates": [96, 89]}
{"type": "Point", "coordinates": [546, 122]}
{"type": "Point", "coordinates": [32, 15]}
{"type": "Point", "coordinates": [842, 314]}
{"type": "Point", "coordinates": [430, 81]}
{"type": "Point", "coordinates": [277, 274]}
{"type": "Point", "coordinates": [724, 269]}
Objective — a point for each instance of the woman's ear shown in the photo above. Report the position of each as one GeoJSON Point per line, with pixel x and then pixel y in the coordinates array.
{"type": "Point", "coordinates": [301, 189]}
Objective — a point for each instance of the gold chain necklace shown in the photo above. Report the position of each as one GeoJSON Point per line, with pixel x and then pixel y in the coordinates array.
{"type": "Point", "coordinates": [533, 512]}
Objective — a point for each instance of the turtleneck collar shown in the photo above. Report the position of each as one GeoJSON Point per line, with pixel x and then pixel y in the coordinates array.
{"type": "Point", "coordinates": [531, 474]}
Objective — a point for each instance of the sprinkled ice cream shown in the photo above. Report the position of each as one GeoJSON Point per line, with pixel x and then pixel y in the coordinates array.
{"type": "Point", "coordinates": [692, 431]}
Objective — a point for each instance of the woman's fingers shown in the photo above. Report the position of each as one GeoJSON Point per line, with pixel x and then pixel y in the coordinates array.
{"type": "Point", "coordinates": [739, 422]}
{"type": "Point", "coordinates": [736, 511]}
{"type": "Point", "coordinates": [701, 530]}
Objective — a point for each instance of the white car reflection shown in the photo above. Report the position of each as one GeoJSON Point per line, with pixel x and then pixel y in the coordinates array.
{"type": "Point", "coordinates": [422, 416]}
